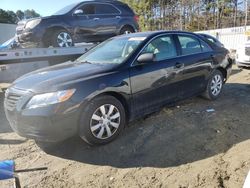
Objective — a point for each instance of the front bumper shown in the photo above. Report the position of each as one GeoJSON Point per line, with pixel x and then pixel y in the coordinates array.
{"type": "Point", "coordinates": [243, 63]}
{"type": "Point", "coordinates": [53, 123]}
{"type": "Point", "coordinates": [29, 38]}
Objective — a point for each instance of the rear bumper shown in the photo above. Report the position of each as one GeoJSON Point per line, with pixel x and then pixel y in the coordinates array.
{"type": "Point", "coordinates": [228, 68]}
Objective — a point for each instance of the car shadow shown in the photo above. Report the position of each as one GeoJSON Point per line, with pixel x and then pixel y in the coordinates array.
{"type": "Point", "coordinates": [173, 136]}
{"type": "Point", "coordinates": [236, 71]}
{"type": "Point", "coordinates": [11, 142]}
{"type": "Point", "coordinates": [4, 124]}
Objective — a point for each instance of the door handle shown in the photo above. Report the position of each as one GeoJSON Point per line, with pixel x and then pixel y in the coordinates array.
{"type": "Point", "coordinates": [96, 19]}
{"type": "Point", "coordinates": [118, 17]}
{"type": "Point", "coordinates": [179, 65]}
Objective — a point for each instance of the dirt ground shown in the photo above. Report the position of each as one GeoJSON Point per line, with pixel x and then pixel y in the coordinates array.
{"type": "Point", "coordinates": [181, 147]}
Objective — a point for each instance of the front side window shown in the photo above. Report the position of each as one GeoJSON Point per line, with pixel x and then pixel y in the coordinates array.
{"type": "Point", "coordinates": [112, 51]}
{"type": "Point", "coordinates": [163, 48]}
{"type": "Point", "coordinates": [106, 9]}
{"type": "Point", "coordinates": [189, 45]}
{"type": "Point", "coordinates": [88, 9]}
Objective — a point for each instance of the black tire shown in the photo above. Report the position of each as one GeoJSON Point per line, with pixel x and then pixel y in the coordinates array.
{"type": "Point", "coordinates": [126, 30]}
{"type": "Point", "coordinates": [55, 41]}
{"type": "Point", "coordinates": [86, 121]}
{"type": "Point", "coordinates": [208, 94]}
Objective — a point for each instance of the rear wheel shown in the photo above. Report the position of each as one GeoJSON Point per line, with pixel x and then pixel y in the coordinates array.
{"type": "Point", "coordinates": [102, 120]}
{"type": "Point", "coordinates": [214, 86]}
{"type": "Point", "coordinates": [126, 30]}
{"type": "Point", "coordinates": [62, 38]}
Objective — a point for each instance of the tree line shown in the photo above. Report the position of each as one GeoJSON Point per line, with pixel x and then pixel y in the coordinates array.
{"type": "Point", "coordinates": [11, 17]}
{"type": "Point", "coordinates": [190, 15]}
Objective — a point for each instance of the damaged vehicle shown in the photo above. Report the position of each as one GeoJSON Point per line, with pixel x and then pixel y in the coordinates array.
{"type": "Point", "coordinates": [88, 21]}
{"type": "Point", "coordinates": [98, 94]}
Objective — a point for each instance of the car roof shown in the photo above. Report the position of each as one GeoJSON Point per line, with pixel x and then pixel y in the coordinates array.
{"type": "Point", "coordinates": [103, 1]}
{"type": "Point", "coordinates": [206, 35]}
{"type": "Point", "coordinates": [155, 33]}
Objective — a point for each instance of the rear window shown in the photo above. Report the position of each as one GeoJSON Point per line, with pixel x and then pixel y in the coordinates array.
{"type": "Point", "coordinates": [125, 9]}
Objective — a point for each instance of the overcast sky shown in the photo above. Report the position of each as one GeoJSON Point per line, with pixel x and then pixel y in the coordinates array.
{"type": "Point", "coordinates": [43, 7]}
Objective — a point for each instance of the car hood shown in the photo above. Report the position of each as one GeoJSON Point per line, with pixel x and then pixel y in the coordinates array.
{"type": "Point", "coordinates": [23, 22]}
{"type": "Point", "coordinates": [50, 78]}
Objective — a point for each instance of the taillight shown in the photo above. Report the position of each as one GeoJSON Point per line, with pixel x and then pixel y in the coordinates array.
{"type": "Point", "coordinates": [136, 18]}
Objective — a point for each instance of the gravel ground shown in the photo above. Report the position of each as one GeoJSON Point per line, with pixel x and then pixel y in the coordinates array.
{"type": "Point", "coordinates": [181, 147]}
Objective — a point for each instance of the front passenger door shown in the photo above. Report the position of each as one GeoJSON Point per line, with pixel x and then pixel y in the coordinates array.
{"type": "Point", "coordinates": [156, 83]}
{"type": "Point", "coordinates": [86, 24]}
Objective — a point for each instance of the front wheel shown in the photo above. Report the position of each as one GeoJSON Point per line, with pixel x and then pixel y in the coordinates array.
{"type": "Point", "coordinates": [214, 86]}
{"type": "Point", "coordinates": [62, 38]}
{"type": "Point", "coordinates": [102, 120]}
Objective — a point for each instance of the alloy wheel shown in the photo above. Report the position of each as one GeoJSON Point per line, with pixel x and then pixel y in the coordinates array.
{"type": "Point", "coordinates": [105, 121]}
{"type": "Point", "coordinates": [127, 32]}
{"type": "Point", "coordinates": [216, 85]}
{"type": "Point", "coordinates": [64, 40]}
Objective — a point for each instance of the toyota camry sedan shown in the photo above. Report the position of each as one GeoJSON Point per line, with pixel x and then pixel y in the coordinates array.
{"type": "Point", "coordinates": [121, 79]}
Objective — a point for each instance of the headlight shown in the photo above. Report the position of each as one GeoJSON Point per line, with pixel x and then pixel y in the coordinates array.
{"type": "Point", "coordinates": [32, 24]}
{"type": "Point", "coordinates": [49, 98]}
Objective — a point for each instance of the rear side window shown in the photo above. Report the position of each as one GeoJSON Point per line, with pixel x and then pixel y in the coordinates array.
{"type": "Point", "coordinates": [211, 39]}
{"type": "Point", "coordinates": [106, 9]}
{"type": "Point", "coordinates": [189, 45]}
{"type": "Point", "coordinates": [163, 48]}
{"type": "Point", "coordinates": [205, 47]}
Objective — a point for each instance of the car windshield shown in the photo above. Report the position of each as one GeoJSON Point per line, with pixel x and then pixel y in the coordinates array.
{"type": "Point", "coordinates": [65, 9]}
{"type": "Point", "coordinates": [112, 51]}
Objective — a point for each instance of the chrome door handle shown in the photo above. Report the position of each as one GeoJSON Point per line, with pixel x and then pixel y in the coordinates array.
{"type": "Point", "coordinates": [96, 19]}
{"type": "Point", "coordinates": [118, 17]}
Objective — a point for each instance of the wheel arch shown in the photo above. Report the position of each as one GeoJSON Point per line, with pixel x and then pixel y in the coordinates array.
{"type": "Point", "coordinates": [119, 97]}
{"type": "Point", "coordinates": [127, 26]}
{"type": "Point", "coordinates": [223, 71]}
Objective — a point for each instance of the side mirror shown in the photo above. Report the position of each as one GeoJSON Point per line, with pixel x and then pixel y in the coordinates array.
{"type": "Point", "coordinates": [146, 58]}
{"type": "Point", "coordinates": [78, 12]}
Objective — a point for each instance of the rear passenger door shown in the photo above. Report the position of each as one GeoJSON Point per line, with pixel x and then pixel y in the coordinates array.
{"type": "Point", "coordinates": [108, 17]}
{"type": "Point", "coordinates": [196, 58]}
